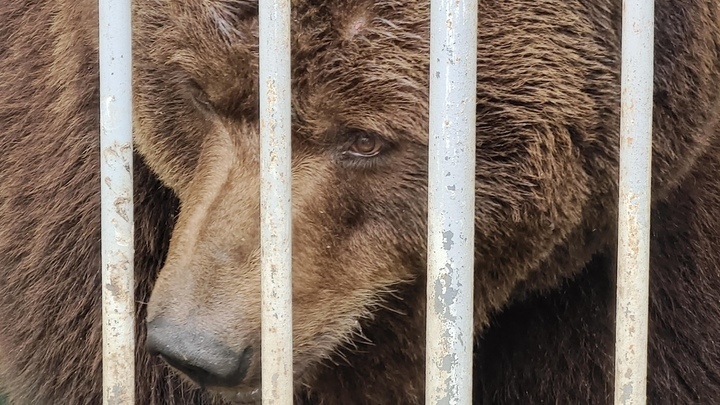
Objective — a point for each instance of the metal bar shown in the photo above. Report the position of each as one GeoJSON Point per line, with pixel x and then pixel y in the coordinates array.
{"type": "Point", "coordinates": [631, 323]}
{"type": "Point", "coordinates": [451, 201]}
{"type": "Point", "coordinates": [116, 191]}
{"type": "Point", "coordinates": [275, 200]}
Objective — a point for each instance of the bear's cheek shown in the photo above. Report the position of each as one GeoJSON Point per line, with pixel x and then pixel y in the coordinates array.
{"type": "Point", "coordinates": [353, 243]}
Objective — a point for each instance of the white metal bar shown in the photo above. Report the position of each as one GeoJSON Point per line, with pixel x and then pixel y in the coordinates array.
{"type": "Point", "coordinates": [451, 201]}
{"type": "Point", "coordinates": [116, 173]}
{"type": "Point", "coordinates": [634, 202]}
{"type": "Point", "coordinates": [276, 220]}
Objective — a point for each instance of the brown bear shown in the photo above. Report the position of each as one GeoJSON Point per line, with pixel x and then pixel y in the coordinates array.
{"type": "Point", "coordinates": [547, 161]}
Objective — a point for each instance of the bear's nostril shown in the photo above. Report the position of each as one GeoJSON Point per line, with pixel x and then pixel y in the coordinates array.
{"type": "Point", "coordinates": [210, 374]}
{"type": "Point", "coordinates": [200, 356]}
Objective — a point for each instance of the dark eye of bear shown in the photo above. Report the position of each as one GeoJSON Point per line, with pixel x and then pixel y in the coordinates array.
{"type": "Point", "coordinates": [366, 145]}
{"type": "Point", "coordinates": [199, 97]}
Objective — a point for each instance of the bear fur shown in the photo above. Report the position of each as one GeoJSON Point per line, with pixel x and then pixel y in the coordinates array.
{"type": "Point", "coordinates": [547, 159]}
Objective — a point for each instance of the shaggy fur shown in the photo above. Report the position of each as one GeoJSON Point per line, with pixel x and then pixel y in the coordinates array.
{"type": "Point", "coordinates": [547, 151]}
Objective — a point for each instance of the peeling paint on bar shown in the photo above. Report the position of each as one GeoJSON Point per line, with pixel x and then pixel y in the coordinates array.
{"type": "Point", "coordinates": [631, 323]}
{"type": "Point", "coordinates": [451, 202]}
{"type": "Point", "coordinates": [275, 200]}
{"type": "Point", "coordinates": [116, 190]}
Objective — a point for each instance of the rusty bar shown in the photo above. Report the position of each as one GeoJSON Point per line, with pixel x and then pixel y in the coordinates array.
{"type": "Point", "coordinates": [116, 193]}
{"type": "Point", "coordinates": [631, 325]}
{"type": "Point", "coordinates": [451, 201]}
{"type": "Point", "coordinates": [275, 200]}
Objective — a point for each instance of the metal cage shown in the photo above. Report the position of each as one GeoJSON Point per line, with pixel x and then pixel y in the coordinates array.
{"type": "Point", "coordinates": [451, 201]}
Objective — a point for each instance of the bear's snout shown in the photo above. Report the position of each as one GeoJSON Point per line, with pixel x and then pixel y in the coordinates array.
{"type": "Point", "coordinates": [198, 354]}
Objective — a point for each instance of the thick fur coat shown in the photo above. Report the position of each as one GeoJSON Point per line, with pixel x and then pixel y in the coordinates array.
{"type": "Point", "coordinates": [547, 160]}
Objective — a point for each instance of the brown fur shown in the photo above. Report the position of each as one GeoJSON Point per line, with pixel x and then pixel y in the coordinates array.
{"type": "Point", "coordinates": [547, 136]}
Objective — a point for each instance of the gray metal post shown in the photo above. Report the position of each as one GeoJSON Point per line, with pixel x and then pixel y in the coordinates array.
{"type": "Point", "coordinates": [451, 201]}
{"type": "Point", "coordinates": [276, 220]}
{"type": "Point", "coordinates": [116, 174]}
{"type": "Point", "coordinates": [634, 202]}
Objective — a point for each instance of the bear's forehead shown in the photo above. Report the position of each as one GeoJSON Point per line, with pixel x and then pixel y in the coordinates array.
{"type": "Point", "coordinates": [344, 18]}
{"type": "Point", "coordinates": [353, 60]}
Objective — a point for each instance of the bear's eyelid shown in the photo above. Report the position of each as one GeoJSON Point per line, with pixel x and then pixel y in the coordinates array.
{"type": "Point", "coordinates": [199, 97]}
{"type": "Point", "coordinates": [355, 135]}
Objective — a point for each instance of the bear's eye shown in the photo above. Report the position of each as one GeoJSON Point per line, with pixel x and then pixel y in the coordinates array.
{"type": "Point", "coordinates": [365, 145]}
{"type": "Point", "coordinates": [199, 96]}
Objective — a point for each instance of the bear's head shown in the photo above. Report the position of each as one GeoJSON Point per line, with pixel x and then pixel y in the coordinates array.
{"type": "Point", "coordinates": [360, 73]}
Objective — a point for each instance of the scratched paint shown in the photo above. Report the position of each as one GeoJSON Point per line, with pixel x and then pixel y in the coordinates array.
{"type": "Point", "coordinates": [451, 201]}
{"type": "Point", "coordinates": [116, 168]}
{"type": "Point", "coordinates": [631, 323]}
{"type": "Point", "coordinates": [275, 202]}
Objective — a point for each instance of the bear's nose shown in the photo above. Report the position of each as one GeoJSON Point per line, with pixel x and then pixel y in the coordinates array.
{"type": "Point", "coordinates": [200, 356]}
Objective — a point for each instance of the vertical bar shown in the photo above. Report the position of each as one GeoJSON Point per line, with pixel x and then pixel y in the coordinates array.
{"type": "Point", "coordinates": [275, 200]}
{"type": "Point", "coordinates": [116, 193]}
{"type": "Point", "coordinates": [631, 325]}
{"type": "Point", "coordinates": [451, 201]}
